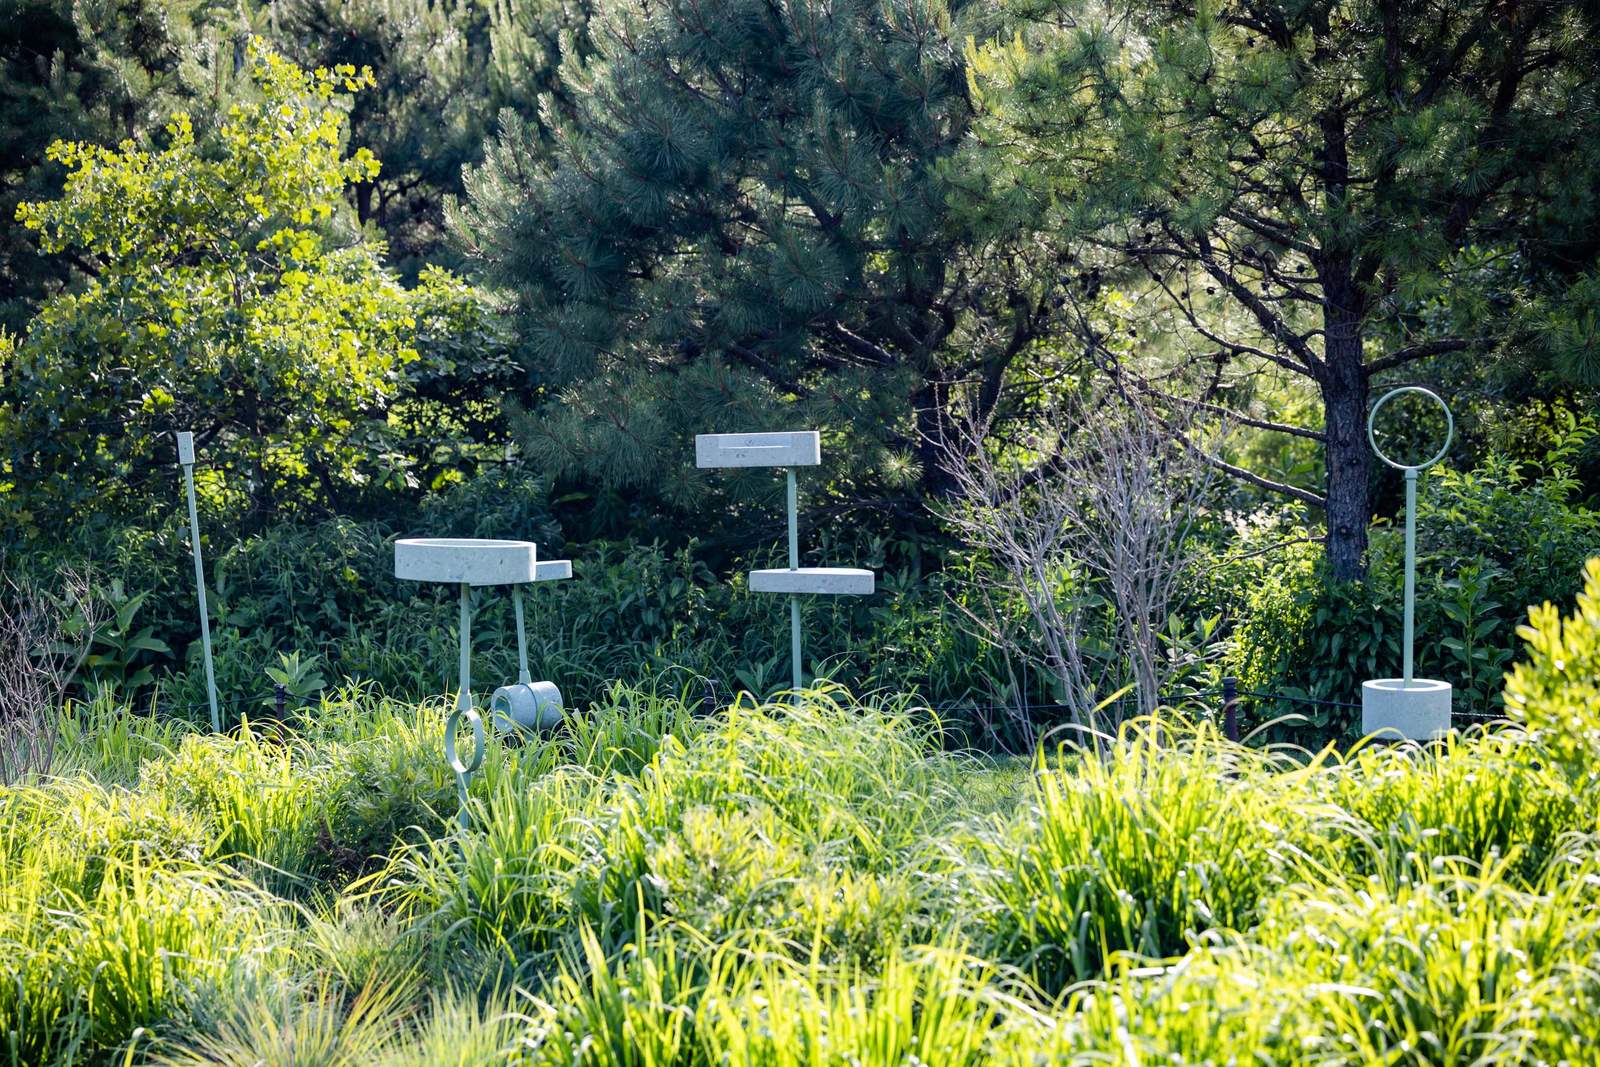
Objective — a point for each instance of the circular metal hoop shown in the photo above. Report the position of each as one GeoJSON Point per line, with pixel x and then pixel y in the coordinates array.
{"type": "Point", "coordinates": [450, 727]}
{"type": "Point", "coordinates": [1449, 432]}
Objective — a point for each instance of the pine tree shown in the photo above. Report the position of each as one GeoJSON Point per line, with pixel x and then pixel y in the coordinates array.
{"type": "Point", "coordinates": [1336, 190]}
{"type": "Point", "coordinates": [742, 224]}
{"type": "Point", "coordinates": [444, 69]}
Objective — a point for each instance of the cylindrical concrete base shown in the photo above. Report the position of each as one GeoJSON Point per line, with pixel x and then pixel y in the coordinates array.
{"type": "Point", "coordinates": [1392, 708]}
{"type": "Point", "coordinates": [535, 706]}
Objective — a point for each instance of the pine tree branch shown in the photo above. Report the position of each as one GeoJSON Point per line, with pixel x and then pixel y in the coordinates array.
{"type": "Point", "coordinates": [1419, 351]}
{"type": "Point", "coordinates": [1271, 323]}
{"type": "Point", "coordinates": [1235, 347]}
{"type": "Point", "coordinates": [860, 346]}
{"type": "Point", "coordinates": [1305, 496]}
{"type": "Point", "coordinates": [1232, 414]}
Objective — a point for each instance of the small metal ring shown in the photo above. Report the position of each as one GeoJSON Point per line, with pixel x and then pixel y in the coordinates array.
{"type": "Point", "coordinates": [1449, 432]}
{"type": "Point", "coordinates": [450, 727]}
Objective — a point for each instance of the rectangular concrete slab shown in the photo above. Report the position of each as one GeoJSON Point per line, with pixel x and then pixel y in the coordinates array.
{"type": "Point", "coordinates": [552, 570]}
{"type": "Point", "coordinates": [849, 581]}
{"type": "Point", "coordinates": [801, 448]}
{"type": "Point", "coordinates": [464, 559]}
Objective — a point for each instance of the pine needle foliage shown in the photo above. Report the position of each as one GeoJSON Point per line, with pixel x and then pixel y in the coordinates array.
{"type": "Point", "coordinates": [743, 225]}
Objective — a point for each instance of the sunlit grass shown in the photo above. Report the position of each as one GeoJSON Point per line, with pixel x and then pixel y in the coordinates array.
{"type": "Point", "coordinates": [795, 883]}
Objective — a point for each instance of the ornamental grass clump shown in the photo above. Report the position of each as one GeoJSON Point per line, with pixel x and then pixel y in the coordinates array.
{"type": "Point", "coordinates": [1484, 796]}
{"type": "Point", "coordinates": [681, 1002]}
{"type": "Point", "coordinates": [1170, 833]}
{"type": "Point", "coordinates": [146, 949]}
{"type": "Point", "coordinates": [783, 820]}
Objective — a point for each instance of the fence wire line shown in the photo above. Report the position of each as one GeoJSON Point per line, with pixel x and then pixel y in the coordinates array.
{"type": "Point", "coordinates": [1175, 698]}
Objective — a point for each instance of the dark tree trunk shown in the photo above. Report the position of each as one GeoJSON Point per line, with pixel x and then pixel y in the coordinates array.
{"type": "Point", "coordinates": [1349, 460]}
{"type": "Point", "coordinates": [1342, 376]}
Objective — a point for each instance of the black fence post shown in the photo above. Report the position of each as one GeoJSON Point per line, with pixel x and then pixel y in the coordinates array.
{"type": "Point", "coordinates": [1230, 708]}
{"type": "Point", "coordinates": [279, 695]}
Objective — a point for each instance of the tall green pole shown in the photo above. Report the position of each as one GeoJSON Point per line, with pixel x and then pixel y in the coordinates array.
{"type": "Point", "coordinates": [794, 564]}
{"type": "Point", "coordinates": [186, 458]}
{"type": "Point", "coordinates": [1411, 568]}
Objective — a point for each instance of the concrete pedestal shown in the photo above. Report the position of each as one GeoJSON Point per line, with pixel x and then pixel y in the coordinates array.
{"type": "Point", "coordinates": [1394, 709]}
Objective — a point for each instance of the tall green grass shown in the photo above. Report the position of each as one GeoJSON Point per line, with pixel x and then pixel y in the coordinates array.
{"type": "Point", "coordinates": [1174, 834]}
{"type": "Point", "coordinates": [813, 881]}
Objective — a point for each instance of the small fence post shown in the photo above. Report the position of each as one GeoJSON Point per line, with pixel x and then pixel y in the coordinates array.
{"type": "Point", "coordinates": [1230, 708]}
{"type": "Point", "coordinates": [280, 695]}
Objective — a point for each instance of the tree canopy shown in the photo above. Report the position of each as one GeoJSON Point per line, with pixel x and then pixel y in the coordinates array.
{"type": "Point", "coordinates": [1329, 190]}
{"type": "Point", "coordinates": [744, 224]}
{"type": "Point", "coordinates": [223, 298]}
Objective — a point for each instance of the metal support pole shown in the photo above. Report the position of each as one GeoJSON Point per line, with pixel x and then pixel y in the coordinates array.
{"type": "Point", "coordinates": [186, 458]}
{"type": "Point", "coordinates": [464, 710]}
{"type": "Point", "coordinates": [794, 564]}
{"type": "Point", "coordinates": [522, 638]}
{"type": "Point", "coordinates": [1411, 566]}
{"type": "Point", "coordinates": [464, 671]}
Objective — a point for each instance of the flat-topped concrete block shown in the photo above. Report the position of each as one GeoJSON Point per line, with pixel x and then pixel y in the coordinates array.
{"type": "Point", "coordinates": [465, 560]}
{"type": "Point", "coordinates": [801, 448]}
{"type": "Point", "coordinates": [552, 570]}
{"type": "Point", "coordinates": [1393, 708]}
{"type": "Point", "coordinates": [847, 581]}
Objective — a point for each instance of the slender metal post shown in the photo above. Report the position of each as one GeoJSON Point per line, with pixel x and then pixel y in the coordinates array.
{"type": "Point", "coordinates": [794, 564]}
{"type": "Point", "coordinates": [464, 672]}
{"type": "Point", "coordinates": [186, 458]}
{"type": "Point", "coordinates": [1410, 470]}
{"type": "Point", "coordinates": [1411, 566]}
{"type": "Point", "coordinates": [522, 638]}
{"type": "Point", "coordinates": [464, 710]}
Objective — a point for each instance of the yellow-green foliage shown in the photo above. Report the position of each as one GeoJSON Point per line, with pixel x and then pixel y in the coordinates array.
{"type": "Point", "coordinates": [812, 883]}
{"type": "Point", "coordinates": [1555, 691]}
{"type": "Point", "coordinates": [221, 297]}
{"type": "Point", "coordinates": [1175, 833]}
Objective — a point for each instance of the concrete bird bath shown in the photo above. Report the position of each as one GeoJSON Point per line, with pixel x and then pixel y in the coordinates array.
{"type": "Point", "coordinates": [468, 562]}
{"type": "Point", "coordinates": [1407, 707]}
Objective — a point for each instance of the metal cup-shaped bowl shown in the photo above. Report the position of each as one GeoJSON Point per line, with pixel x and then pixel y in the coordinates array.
{"type": "Point", "coordinates": [531, 706]}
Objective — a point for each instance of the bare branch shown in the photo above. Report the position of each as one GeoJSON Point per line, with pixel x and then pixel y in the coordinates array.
{"type": "Point", "coordinates": [1103, 520]}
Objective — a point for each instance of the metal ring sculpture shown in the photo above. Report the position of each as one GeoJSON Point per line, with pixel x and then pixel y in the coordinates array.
{"type": "Point", "coordinates": [1449, 433]}
{"type": "Point", "coordinates": [463, 771]}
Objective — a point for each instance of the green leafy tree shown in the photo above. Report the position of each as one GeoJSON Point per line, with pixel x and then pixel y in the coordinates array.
{"type": "Point", "coordinates": [223, 299]}
{"type": "Point", "coordinates": [89, 70]}
{"type": "Point", "coordinates": [1331, 191]}
{"type": "Point", "coordinates": [744, 224]}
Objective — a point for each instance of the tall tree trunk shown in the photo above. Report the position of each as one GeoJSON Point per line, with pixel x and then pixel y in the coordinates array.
{"type": "Point", "coordinates": [1348, 459]}
{"type": "Point", "coordinates": [1342, 376]}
